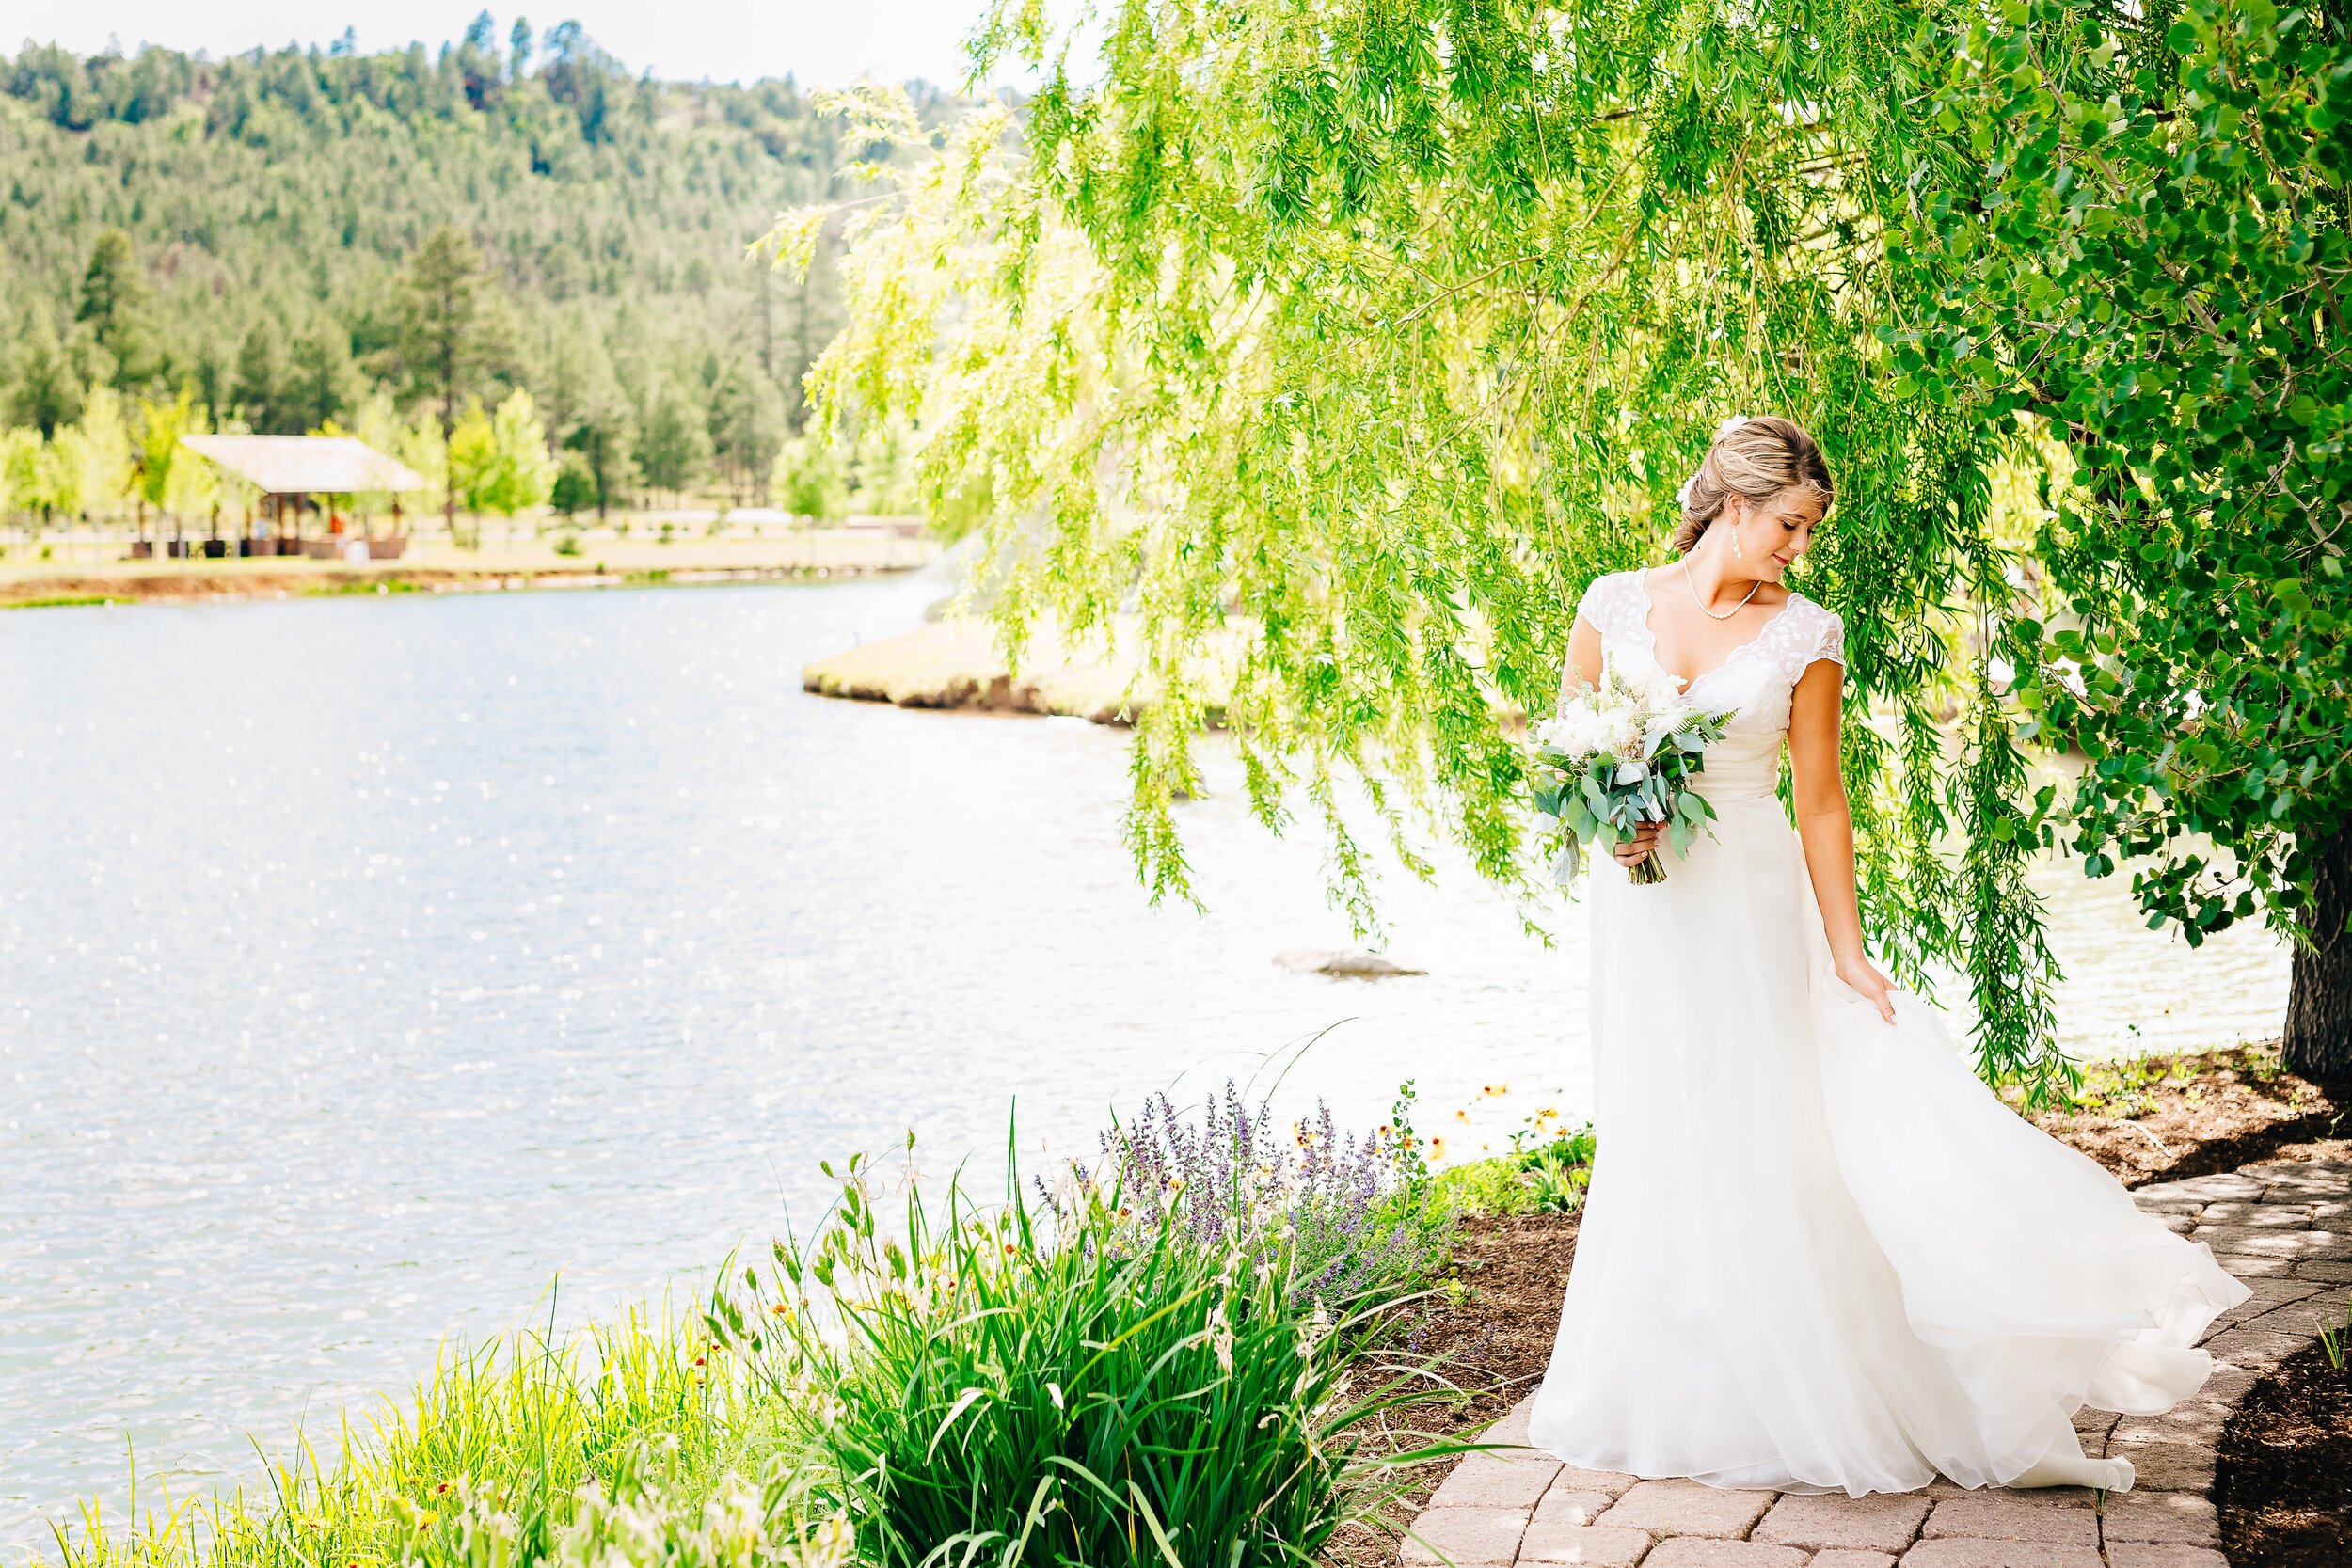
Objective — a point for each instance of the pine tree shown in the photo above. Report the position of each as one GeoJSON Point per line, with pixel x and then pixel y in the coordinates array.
{"type": "Point", "coordinates": [46, 394]}
{"type": "Point", "coordinates": [675, 448]}
{"type": "Point", "coordinates": [257, 389]}
{"type": "Point", "coordinates": [320, 383]}
{"type": "Point", "coordinates": [440, 337]}
{"type": "Point", "coordinates": [114, 305]}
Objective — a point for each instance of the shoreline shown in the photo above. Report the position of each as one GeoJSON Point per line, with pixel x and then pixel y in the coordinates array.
{"type": "Point", "coordinates": [956, 666]}
{"type": "Point", "coordinates": [814, 556]}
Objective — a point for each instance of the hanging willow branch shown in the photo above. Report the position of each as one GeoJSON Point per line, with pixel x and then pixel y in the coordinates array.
{"type": "Point", "coordinates": [1330, 351]}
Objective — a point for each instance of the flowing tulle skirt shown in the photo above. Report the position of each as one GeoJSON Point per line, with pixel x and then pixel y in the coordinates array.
{"type": "Point", "coordinates": [1819, 1254]}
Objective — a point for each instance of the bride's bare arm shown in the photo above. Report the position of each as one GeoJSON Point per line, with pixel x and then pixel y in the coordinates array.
{"type": "Point", "coordinates": [1825, 823]}
{"type": "Point", "coordinates": [1583, 656]}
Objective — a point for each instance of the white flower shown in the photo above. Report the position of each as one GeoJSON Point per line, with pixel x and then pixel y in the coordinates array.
{"type": "Point", "coordinates": [1729, 426]}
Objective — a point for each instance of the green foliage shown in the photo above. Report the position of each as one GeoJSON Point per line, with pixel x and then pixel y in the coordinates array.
{"type": "Point", "coordinates": [46, 391]}
{"type": "Point", "coordinates": [2133, 231]}
{"type": "Point", "coordinates": [574, 492]}
{"type": "Point", "coordinates": [114, 305]}
{"type": "Point", "coordinates": [159, 210]}
{"type": "Point", "coordinates": [1003, 1391]}
{"type": "Point", "coordinates": [488, 1457]}
{"type": "Point", "coordinates": [450, 338]}
{"type": "Point", "coordinates": [161, 423]}
{"type": "Point", "coordinates": [991, 1385]}
{"type": "Point", "coordinates": [809, 479]}
{"type": "Point", "coordinates": [1371, 333]}
{"type": "Point", "coordinates": [1547, 1170]}
{"type": "Point", "coordinates": [673, 445]}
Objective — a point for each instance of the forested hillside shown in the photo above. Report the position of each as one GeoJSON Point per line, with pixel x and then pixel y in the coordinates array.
{"type": "Point", "coordinates": [248, 232]}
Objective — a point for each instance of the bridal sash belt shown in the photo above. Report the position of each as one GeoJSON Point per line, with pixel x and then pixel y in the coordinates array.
{"type": "Point", "coordinates": [1731, 774]}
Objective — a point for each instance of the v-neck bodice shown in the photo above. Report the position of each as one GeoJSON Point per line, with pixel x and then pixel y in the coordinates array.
{"type": "Point", "coordinates": [1649, 633]}
{"type": "Point", "coordinates": [1753, 682]}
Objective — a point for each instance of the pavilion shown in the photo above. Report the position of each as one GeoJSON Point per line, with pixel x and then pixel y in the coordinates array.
{"type": "Point", "coordinates": [294, 470]}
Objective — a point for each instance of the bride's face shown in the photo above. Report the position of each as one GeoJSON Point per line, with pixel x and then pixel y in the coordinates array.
{"type": "Point", "coordinates": [1773, 535]}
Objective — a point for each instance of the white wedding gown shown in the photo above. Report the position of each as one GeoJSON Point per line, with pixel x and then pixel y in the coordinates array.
{"type": "Point", "coordinates": [1819, 1254]}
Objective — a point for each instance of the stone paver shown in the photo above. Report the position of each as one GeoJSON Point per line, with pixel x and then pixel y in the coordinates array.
{"type": "Point", "coordinates": [2179, 1518]}
{"type": "Point", "coordinates": [2141, 1554]}
{"type": "Point", "coordinates": [1593, 1545]}
{"type": "Point", "coordinates": [1694, 1551]}
{"type": "Point", "coordinates": [1467, 1536]}
{"type": "Point", "coordinates": [1687, 1508]}
{"type": "Point", "coordinates": [2285, 1229]}
{"type": "Point", "coordinates": [1571, 1508]}
{"type": "Point", "coordinates": [1961, 1552]}
{"type": "Point", "coordinates": [2013, 1516]}
{"type": "Point", "coordinates": [1883, 1522]}
{"type": "Point", "coordinates": [1494, 1480]}
{"type": "Point", "coordinates": [1613, 1483]}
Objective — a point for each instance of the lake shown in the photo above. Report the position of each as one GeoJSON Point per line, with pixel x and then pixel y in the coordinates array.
{"type": "Point", "coordinates": [366, 964]}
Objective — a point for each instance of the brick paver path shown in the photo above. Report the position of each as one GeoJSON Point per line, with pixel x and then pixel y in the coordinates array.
{"type": "Point", "coordinates": [2286, 1230]}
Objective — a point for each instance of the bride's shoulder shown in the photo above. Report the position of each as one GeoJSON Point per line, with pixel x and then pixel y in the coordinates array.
{"type": "Point", "coordinates": [1608, 588]}
{"type": "Point", "coordinates": [1821, 630]}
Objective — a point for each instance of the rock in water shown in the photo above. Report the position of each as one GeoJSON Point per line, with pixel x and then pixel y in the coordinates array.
{"type": "Point", "coordinates": [1351, 963]}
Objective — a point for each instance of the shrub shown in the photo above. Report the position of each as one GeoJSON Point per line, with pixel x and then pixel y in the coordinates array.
{"type": "Point", "coordinates": [810, 479]}
{"type": "Point", "coordinates": [1077, 1383]}
{"type": "Point", "coordinates": [1347, 1215]}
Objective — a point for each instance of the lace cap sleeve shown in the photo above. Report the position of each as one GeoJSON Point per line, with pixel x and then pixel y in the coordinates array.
{"type": "Point", "coordinates": [1596, 609]}
{"type": "Point", "coordinates": [1593, 608]}
{"type": "Point", "coordinates": [1829, 638]}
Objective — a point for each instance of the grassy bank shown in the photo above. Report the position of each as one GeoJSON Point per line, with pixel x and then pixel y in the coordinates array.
{"type": "Point", "coordinates": [1227, 1339]}
{"type": "Point", "coordinates": [1189, 1352]}
{"type": "Point", "coordinates": [957, 664]}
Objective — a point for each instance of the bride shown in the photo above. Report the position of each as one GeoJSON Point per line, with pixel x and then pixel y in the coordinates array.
{"type": "Point", "coordinates": [1819, 1254]}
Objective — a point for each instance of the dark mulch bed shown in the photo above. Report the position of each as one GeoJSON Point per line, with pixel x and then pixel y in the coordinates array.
{"type": "Point", "coordinates": [2172, 1117]}
{"type": "Point", "coordinates": [2285, 1481]}
{"type": "Point", "coordinates": [2189, 1116]}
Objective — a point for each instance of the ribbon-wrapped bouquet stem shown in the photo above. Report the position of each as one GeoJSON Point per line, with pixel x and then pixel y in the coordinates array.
{"type": "Point", "coordinates": [1618, 757]}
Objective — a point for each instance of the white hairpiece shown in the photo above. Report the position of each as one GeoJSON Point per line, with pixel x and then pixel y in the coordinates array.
{"type": "Point", "coordinates": [1683, 496]}
{"type": "Point", "coordinates": [1729, 426]}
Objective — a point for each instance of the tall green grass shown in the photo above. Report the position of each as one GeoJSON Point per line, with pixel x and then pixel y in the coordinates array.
{"type": "Point", "coordinates": [1093, 1379]}
{"type": "Point", "coordinates": [503, 1437]}
{"type": "Point", "coordinates": [1070, 1385]}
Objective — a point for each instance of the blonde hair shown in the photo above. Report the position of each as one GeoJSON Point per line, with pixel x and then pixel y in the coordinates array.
{"type": "Point", "coordinates": [1755, 459]}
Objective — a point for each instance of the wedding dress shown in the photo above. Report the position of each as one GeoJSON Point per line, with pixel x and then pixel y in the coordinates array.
{"type": "Point", "coordinates": [1818, 1253]}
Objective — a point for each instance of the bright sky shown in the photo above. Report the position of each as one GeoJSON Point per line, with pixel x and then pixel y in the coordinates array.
{"type": "Point", "coordinates": [826, 43]}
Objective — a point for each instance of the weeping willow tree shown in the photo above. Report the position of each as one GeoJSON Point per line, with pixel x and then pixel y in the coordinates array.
{"type": "Point", "coordinates": [1343, 343]}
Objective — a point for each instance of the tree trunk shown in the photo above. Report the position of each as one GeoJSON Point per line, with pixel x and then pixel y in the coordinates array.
{"type": "Point", "coordinates": [2319, 1002]}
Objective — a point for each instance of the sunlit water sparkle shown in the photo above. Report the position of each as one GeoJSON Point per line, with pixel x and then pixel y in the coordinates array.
{"type": "Point", "coordinates": [366, 964]}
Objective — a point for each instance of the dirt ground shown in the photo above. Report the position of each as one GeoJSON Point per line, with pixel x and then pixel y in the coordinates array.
{"type": "Point", "coordinates": [2283, 1484]}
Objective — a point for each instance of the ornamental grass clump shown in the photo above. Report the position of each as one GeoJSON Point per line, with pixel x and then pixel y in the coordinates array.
{"type": "Point", "coordinates": [1054, 1383]}
{"type": "Point", "coordinates": [1347, 1217]}
{"type": "Point", "coordinates": [489, 1463]}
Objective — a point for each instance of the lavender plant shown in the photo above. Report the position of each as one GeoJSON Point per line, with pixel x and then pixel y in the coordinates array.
{"type": "Point", "coordinates": [1342, 1215]}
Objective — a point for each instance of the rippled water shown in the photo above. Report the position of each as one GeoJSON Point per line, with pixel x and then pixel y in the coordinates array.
{"type": "Point", "coordinates": [365, 964]}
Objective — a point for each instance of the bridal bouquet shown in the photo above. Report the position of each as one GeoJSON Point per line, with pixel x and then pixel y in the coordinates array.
{"type": "Point", "coordinates": [1619, 757]}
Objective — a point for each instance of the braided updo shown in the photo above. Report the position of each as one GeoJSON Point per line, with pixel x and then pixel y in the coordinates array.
{"type": "Point", "coordinates": [1755, 459]}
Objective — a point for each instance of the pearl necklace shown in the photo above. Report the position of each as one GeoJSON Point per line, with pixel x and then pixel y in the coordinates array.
{"type": "Point", "coordinates": [1693, 587]}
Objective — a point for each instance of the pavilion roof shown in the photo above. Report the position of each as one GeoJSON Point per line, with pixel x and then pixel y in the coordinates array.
{"type": "Point", "coordinates": [306, 464]}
